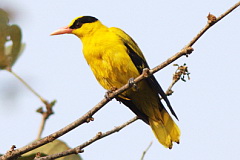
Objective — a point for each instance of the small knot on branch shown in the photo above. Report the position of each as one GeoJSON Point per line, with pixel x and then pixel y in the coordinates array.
{"type": "Point", "coordinates": [50, 138]}
{"type": "Point", "coordinates": [89, 119]}
{"type": "Point", "coordinates": [9, 152]}
{"type": "Point", "coordinates": [146, 72]}
{"type": "Point", "coordinates": [211, 19]}
{"type": "Point", "coordinates": [48, 107]}
{"type": "Point", "coordinates": [12, 148]}
{"type": "Point", "coordinates": [79, 150]}
{"type": "Point", "coordinates": [99, 134]}
{"type": "Point", "coordinates": [187, 51]}
{"type": "Point", "coordinates": [169, 92]}
{"type": "Point", "coordinates": [132, 83]}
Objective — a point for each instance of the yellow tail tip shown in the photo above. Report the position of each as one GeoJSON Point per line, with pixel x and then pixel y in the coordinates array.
{"type": "Point", "coordinates": [166, 135]}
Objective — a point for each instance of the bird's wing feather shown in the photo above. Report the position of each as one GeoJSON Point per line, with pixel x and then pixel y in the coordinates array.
{"type": "Point", "coordinates": [139, 61]}
{"type": "Point", "coordinates": [133, 108]}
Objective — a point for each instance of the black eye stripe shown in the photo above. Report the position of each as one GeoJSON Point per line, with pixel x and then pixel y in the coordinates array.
{"type": "Point", "coordinates": [80, 21]}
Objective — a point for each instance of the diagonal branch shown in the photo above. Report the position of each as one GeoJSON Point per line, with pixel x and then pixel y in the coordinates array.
{"type": "Point", "coordinates": [211, 21]}
{"type": "Point", "coordinates": [144, 152]}
{"type": "Point", "coordinates": [88, 116]}
{"type": "Point", "coordinates": [79, 149]}
{"type": "Point", "coordinates": [29, 87]}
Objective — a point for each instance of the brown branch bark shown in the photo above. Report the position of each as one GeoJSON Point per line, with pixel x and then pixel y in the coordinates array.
{"type": "Point", "coordinates": [13, 154]}
{"type": "Point", "coordinates": [211, 22]}
{"type": "Point", "coordinates": [180, 73]}
{"type": "Point", "coordinates": [45, 115]}
{"type": "Point", "coordinates": [79, 149]}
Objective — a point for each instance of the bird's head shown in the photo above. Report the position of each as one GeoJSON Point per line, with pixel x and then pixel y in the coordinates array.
{"type": "Point", "coordinates": [80, 26]}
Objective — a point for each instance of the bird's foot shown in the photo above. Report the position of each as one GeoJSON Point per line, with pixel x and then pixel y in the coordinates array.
{"type": "Point", "coordinates": [107, 94]}
{"type": "Point", "coordinates": [132, 83]}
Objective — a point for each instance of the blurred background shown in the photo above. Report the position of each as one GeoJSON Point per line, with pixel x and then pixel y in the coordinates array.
{"type": "Point", "coordinates": [207, 105]}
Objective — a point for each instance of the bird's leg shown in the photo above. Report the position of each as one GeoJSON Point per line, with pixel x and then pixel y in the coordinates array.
{"type": "Point", "coordinates": [132, 83]}
{"type": "Point", "coordinates": [110, 91]}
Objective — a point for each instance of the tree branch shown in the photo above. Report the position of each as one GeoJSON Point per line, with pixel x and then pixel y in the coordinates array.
{"type": "Point", "coordinates": [211, 21]}
{"type": "Point", "coordinates": [79, 149]}
{"type": "Point", "coordinates": [86, 117]}
{"type": "Point", "coordinates": [25, 83]}
{"type": "Point", "coordinates": [180, 73]}
{"type": "Point", "coordinates": [45, 115]}
{"type": "Point", "coordinates": [144, 152]}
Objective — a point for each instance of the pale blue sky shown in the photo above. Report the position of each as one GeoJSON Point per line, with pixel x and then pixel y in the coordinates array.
{"type": "Point", "coordinates": [207, 105]}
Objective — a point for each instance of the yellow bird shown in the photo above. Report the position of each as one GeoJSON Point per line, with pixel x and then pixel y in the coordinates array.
{"type": "Point", "coordinates": [114, 58]}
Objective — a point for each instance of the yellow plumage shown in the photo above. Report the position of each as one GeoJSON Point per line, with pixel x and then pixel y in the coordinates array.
{"type": "Point", "coordinates": [114, 58]}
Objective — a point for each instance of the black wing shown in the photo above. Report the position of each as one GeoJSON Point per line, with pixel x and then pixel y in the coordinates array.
{"type": "Point", "coordinates": [127, 102]}
{"type": "Point", "coordinates": [140, 64]}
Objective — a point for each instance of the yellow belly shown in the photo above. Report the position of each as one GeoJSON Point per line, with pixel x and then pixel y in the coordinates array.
{"type": "Point", "coordinates": [111, 65]}
{"type": "Point", "coordinates": [113, 72]}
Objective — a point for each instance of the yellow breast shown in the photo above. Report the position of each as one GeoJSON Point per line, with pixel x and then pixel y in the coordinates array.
{"type": "Point", "coordinates": [108, 58]}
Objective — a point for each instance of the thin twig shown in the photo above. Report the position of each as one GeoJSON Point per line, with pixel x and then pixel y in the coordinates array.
{"type": "Point", "coordinates": [41, 127]}
{"type": "Point", "coordinates": [144, 152]}
{"type": "Point", "coordinates": [48, 106]}
{"type": "Point", "coordinates": [146, 73]}
{"type": "Point", "coordinates": [180, 73]}
{"type": "Point", "coordinates": [79, 149]}
{"type": "Point", "coordinates": [45, 115]}
{"type": "Point", "coordinates": [25, 83]}
{"type": "Point", "coordinates": [211, 23]}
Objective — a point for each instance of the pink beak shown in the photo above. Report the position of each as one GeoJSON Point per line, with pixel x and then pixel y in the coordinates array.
{"type": "Point", "coordinates": [62, 30]}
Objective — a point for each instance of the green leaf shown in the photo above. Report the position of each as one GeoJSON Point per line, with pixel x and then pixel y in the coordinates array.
{"type": "Point", "coordinates": [9, 33]}
{"type": "Point", "coordinates": [12, 53]}
{"type": "Point", "coordinates": [51, 148]}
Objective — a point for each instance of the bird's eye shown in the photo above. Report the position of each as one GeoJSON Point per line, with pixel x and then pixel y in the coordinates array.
{"type": "Point", "coordinates": [76, 24]}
